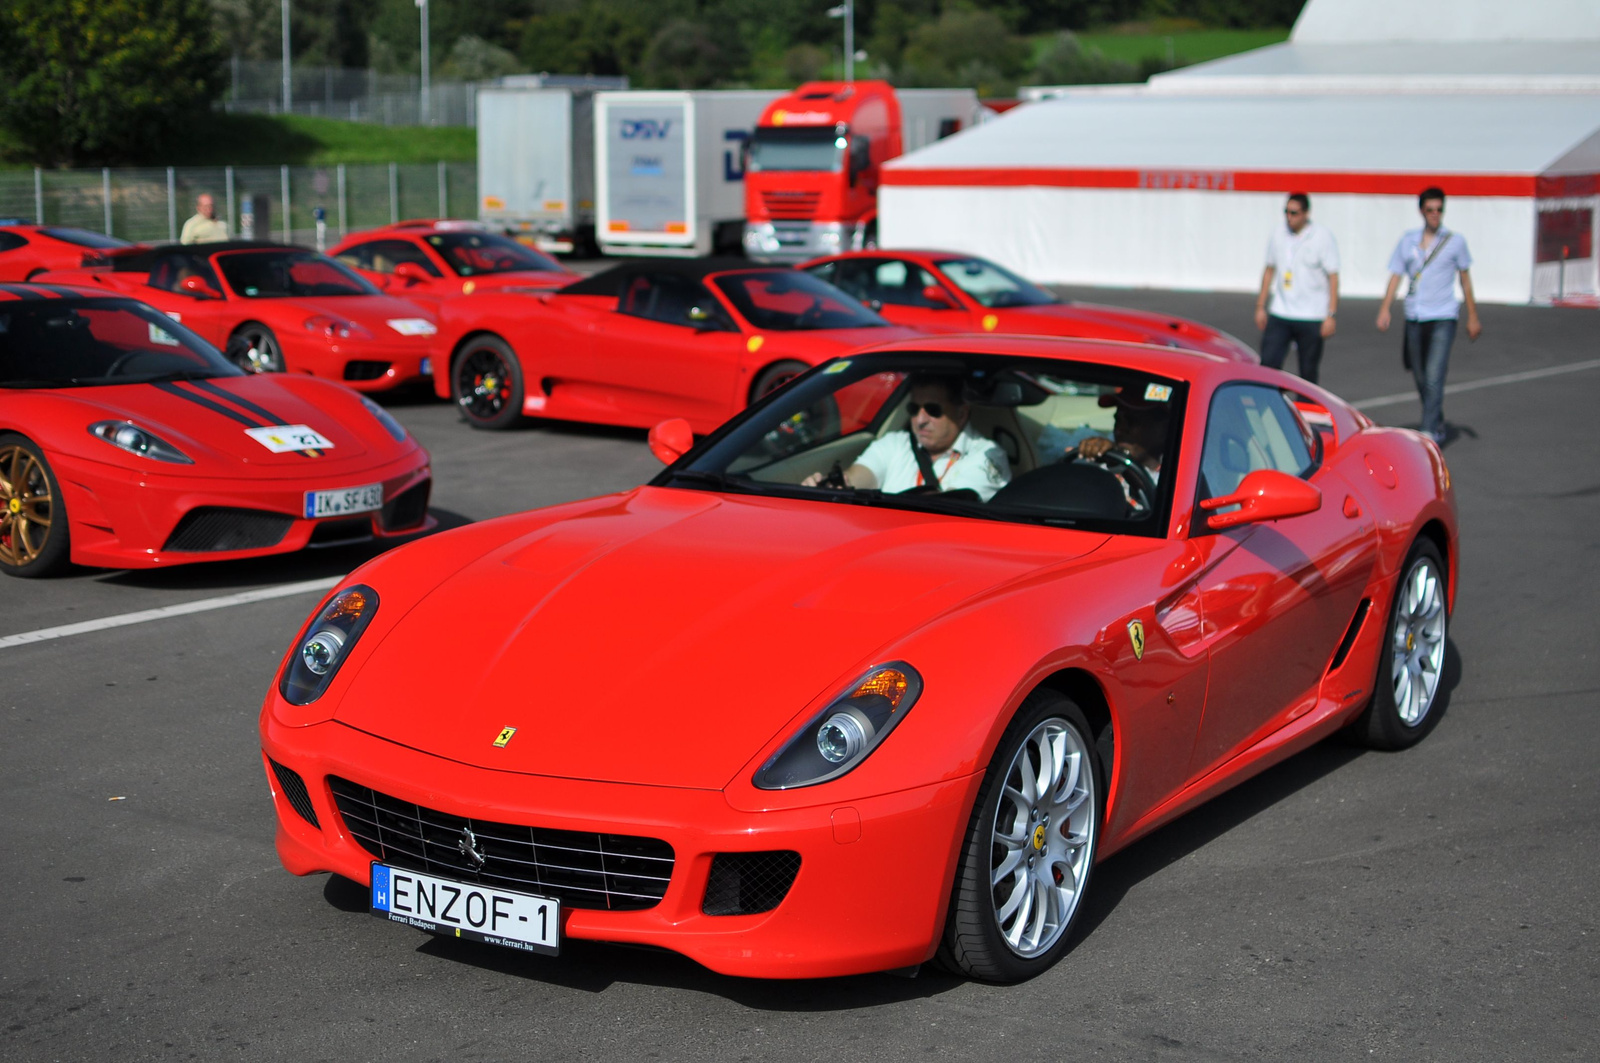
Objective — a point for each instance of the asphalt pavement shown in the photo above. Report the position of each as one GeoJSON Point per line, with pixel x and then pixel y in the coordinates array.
{"type": "Point", "coordinates": [1436, 904]}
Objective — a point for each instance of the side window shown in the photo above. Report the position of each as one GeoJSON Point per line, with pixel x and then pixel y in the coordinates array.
{"type": "Point", "coordinates": [11, 241]}
{"type": "Point", "coordinates": [1250, 427]}
{"type": "Point", "coordinates": [669, 298]}
{"type": "Point", "coordinates": [382, 256]}
{"type": "Point", "coordinates": [901, 283]}
{"type": "Point", "coordinates": [169, 273]}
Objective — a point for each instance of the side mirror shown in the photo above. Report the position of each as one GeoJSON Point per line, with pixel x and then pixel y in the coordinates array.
{"type": "Point", "coordinates": [671, 440]}
{"type": "Point", "coordinates": [411, 272]}
{"type": "Point", "coordinates": [939, 298]}
{"type": "Point", "coordinates": [197, 287]}
{"type": "Point", "coordinates": [1265, 494]}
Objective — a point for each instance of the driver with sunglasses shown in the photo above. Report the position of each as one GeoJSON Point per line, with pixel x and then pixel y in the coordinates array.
{"type": "Point", "coordinates": [959, 458]}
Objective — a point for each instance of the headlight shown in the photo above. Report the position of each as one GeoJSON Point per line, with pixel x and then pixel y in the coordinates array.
{"type": "Point", "coordinates": [326, 643]}
{"type": "Point", "coordinates": [385, 418]}
{"type": "Point", "coordinates": [336, 328]}
{"type": "Point", "coordinates": [125, 435]}
{"type": "Point", "coordinates": [841, 736]}
{"type": "Point", "coordinates": [412, 326]}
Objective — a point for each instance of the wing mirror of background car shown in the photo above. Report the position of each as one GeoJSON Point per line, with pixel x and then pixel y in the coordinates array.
{"type": "Point", "coordinates": [860, 156]}
{"type": "Point", "coordinates": [1265, 494]}
{"type": "Point", "coordinates": [939, 298]}
{"type": "Point", "coordinates": [410, 272]}
{"type": "Point", "coordinates": [197, 287]}
{"type": "Point", "coordinates": [671, 440]}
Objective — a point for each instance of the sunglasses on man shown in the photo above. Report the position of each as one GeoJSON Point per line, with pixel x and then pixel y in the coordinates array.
{"type": "Point", "coordinates": [935, 409]}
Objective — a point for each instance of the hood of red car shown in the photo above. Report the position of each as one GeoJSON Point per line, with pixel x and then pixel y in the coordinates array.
{"type": "Point", "coordinates": [1143, 326]}
{"type": "Point", "coordinates": [666, 637]}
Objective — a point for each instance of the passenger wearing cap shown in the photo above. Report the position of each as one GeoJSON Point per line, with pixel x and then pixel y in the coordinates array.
{"type": "Point", "coordinates": [959, 457]}
{"type": "Point", "coordinates": [1140, 432]}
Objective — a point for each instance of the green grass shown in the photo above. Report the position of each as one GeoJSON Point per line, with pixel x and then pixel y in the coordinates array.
{"type": "Point", "coordinates": [1191, 46]}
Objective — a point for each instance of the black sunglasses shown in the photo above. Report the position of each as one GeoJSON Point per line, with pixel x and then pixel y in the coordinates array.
{"type": "Point", "coordinates": [935, 409]}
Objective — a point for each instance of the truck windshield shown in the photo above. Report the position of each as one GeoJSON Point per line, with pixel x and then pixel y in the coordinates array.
{"type": "Point", "coordinates": [788, 150]}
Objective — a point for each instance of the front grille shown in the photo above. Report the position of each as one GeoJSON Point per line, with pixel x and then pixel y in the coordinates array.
{"type": "Point", "coordinates": [747, 883]}
{"type": "Point", "coordinates": [365, 370]}
{"type": "Point", "coordinates": [408, 509]}
{"type": "Point", "coordinates": [293, 789]}
{"type": "Point", "coordinates": [612, 872]}
{"type": "Point", "coordinates": [340, 531]}
{"type": "Point", "coordinates": [791, 204]}
{"type": "Point", "coordinates": [214, 528]}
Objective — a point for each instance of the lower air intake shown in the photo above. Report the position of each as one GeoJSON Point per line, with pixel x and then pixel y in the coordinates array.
{"type": "Point", "coordinates": [747, 883]}
{"type": "Point", "coordinates": [293, 789]}
{"type": "Point", "coordinates": [365, 370]}
{"type": "Point", "coordinates": [212, 529]}
{"type": "Point", "coordinates": [408, 509]}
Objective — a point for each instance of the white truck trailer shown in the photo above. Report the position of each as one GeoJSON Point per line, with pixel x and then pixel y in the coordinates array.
{"type": "Point", "coordinates": [669, 169]}
{"type": "Point", "coordinates": [536, 159]}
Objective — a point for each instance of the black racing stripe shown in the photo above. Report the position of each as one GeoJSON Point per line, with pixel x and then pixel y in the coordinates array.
{"type": "Point", "coordinates": [216, 407]}
{"type": "Point", "coordinates": [61, 290]}
{"type": "Point", "coordinates": [20, 291]}
{"type": "Point", "coordinates": [237, 400]}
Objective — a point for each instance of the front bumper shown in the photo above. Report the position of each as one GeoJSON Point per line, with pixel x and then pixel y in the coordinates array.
{"type": "Point", "coordinates": [125, 519]}
{"type": "Point", "coordinates": [797, 241]}
{"type": "Point", "coordinates": [871, 893]}
{"type": "Point", "coordinates": [363, 365]}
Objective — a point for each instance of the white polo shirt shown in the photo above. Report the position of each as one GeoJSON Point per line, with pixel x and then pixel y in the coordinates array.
{"type": "Point", "coordinates": [1301, 262]}
{"type": "Point", "coordinates": [973, 462]}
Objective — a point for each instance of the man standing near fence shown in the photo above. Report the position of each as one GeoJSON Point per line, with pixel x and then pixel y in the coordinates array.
{"type": "Point", "coordinates": [1302, 277]}
{"type": "Point", "coordinates": [1432, 257]}
{"type": "Point", "coordinates": [204, 227]}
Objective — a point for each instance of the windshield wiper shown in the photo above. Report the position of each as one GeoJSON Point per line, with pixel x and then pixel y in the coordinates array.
{"type": "Point", "coordinates": [720, 481]}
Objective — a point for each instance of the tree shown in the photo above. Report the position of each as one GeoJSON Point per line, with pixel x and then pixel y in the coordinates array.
{"type": "Point", "coordinates": [105, 80]}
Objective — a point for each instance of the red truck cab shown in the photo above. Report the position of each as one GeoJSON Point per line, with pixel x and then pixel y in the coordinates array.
{"type": "Point", "coordinates": [811, 177]}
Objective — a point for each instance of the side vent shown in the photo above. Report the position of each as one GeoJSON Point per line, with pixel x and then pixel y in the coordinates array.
{"type": "Point", "coordinates": [1350, 634]}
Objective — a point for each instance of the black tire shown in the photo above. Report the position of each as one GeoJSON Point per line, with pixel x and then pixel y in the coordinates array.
{"type": "Point", "coordinates": [34, 537]}
{"type": "Point", "coordinates": [486, 383]}
{"type": "Point", "coordinates": [1400, 714]}
{"type": "Point", "coordinates": [976, 943]}
{"type": "Point", "coordinates": [255, 349]}
{"type": "Point", "coordinates": [775, 376]}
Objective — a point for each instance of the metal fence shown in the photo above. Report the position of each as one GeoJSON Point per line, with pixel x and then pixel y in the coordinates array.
{"type": "Point", "coordinates": [152, 203]}
{"type": "Point", "coordinates": [352, 94]}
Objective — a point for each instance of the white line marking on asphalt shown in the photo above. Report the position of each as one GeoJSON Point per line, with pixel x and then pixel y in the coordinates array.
{"type": "Point", "coordinates": [183, 609]}
{"type": "Point", "coordinates": [1486, 382]}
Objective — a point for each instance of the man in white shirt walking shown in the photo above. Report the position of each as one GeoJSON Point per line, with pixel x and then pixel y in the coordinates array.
{"type": "Point", "coordinates": [1432, 257]}
{"type": "Point", "coordinates": [1302, 279]}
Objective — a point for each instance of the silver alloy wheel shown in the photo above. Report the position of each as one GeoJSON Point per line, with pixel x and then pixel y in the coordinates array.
{"type": "Point", "coordinates": [1418, 649]}
{"type": "Point", "coordinates": [1043, 837]}
{"type": "Point", "coordinates": [260, 352]}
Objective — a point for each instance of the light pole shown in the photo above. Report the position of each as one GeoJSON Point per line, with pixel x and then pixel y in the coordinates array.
{"type": "Point", "coordinates": [288, 89]}
{"type": "Point", "coordinates": [847, 11]}
{"type": "Point", "coordinates": [427, 95]}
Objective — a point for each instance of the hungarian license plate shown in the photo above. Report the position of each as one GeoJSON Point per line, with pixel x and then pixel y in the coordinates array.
{"type": "Point", "coordinates": [464, 910]}
{"type": "Point", "coordinates": [347, 500]}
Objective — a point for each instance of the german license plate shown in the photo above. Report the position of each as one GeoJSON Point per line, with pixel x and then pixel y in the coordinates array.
{"type": "Point", "coordinates": [346, 500]}
{"type": "Point", "coordinates": [464, 910]}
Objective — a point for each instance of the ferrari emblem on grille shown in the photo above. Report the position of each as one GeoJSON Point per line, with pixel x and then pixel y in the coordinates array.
{"type": "Point", "coordinates": [1136, 636]}
{"type": "Point", "coordinates": [504, 737]}
{"type": "Point", "coordinates": [468, 846]}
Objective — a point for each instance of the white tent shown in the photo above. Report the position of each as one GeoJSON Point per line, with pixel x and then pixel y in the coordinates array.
{"type": "Point", "coordinates": [1178, 183]}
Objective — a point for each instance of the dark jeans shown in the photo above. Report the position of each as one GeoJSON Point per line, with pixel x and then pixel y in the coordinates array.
{"type": "Point", "coordinates": [1307, 337]}
{"type": "Point", "coordinates": [1429, 343]}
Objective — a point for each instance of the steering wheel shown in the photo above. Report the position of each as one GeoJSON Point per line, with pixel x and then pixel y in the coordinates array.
{"type": "Point", "coordinates": [120, 361]}
{"type": "Point", "coordinates": [835, 478]}
{"type": "Point", "coordinates": [1123, 464]}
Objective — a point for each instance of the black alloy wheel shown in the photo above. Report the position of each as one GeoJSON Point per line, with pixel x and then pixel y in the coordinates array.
{"type": "Point", "coordinates": [486, 383]}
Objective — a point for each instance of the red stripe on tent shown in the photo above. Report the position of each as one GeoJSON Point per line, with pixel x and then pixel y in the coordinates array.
{"type": "Point", "coordinates": [1218, 180]}
{"type": "Point", "coordinates": [1569, 187]}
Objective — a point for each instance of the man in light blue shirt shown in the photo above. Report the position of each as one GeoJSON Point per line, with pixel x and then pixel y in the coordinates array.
{"type": "Point", "coordinates": [1431, 258]}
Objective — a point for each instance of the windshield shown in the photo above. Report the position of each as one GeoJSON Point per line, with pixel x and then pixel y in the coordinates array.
{"type": "Point", "coordinates": [993, 286]}
{"type": "Point", "coordinates": [87, 343]}
{"type": "Point", "coordinates": [788, 150]}
{"type": "Point", "coordinates": [287, 274]}
{"type": "Point", "coordinates": [83, 237]}
{"type": "Point", "coordinates": [474, 254]}
{"type": "Point", "coordinates": [786, 300]}
{"type": "Point", "coordinates": [1020, 439]}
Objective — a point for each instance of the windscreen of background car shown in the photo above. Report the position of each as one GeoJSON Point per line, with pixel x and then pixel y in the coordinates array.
{"type": "Point", "coordinates": [1037, 412]}
{"type": "Point", "coordinates": [993, 286]}
{"type": "Point", "coordinates": [83, 343]}
{"type": "Point", "coordinates": [474, 254]}
{"type": "Point", "coordinates": [796, 150]}
{"type": "Point", "coordinates": [786, 300]}
{"type": "Point", "coordinates": [291, 274]}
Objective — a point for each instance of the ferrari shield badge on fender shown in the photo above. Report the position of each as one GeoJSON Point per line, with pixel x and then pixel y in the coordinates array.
{"type": "Point", "coordinates": [1136, 636]}
{"type": "Point", "coordinates": [504, 736]}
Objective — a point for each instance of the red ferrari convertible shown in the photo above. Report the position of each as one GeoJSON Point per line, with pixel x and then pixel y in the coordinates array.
{"type": "Point", "coordinates": [29, 250]}
{"type": "Point", "coordinates": [942, 291]}
{"type": "Point", "coordinates": [426, 261]}
{"type": "Point", "coordinates": [817, 703]}
{"type": "Point", "coordinates": [127, 441]}
{"type": "Point", "coordinates": [274, 309]}
{"type": "Point", "coordinates": [691, 338]}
